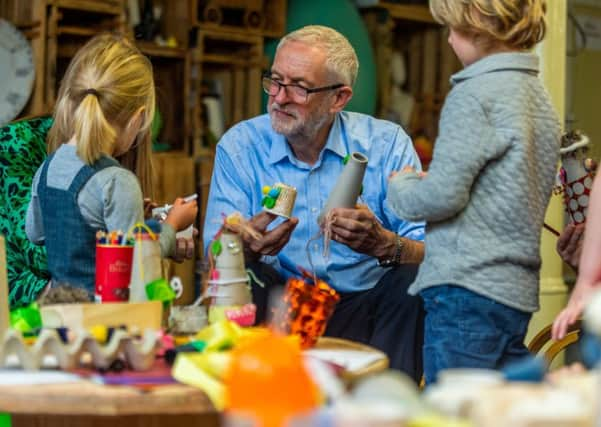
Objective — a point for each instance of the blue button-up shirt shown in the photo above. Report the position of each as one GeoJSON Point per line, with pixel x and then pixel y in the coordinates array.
{"type": "Point", "coordinates": [251, 155]}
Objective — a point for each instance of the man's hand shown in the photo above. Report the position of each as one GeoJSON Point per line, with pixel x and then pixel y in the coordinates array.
{"type": "Point", "coordinates": [359, 229]}
{"type": "Point", "coordinates": [271, 242]}
{"type": "Point", "coordinates": [569, 244]}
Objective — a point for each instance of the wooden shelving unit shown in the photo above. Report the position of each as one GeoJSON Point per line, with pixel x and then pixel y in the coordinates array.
{"type": "Point", "coordinates": [408, 12]}
{"type": "Point", "coordinates": [266, 18]}
{"type": "Point", "coordinates": [155, 51]}
{"type": "Point", "coordinates": [106, 6]}
{"type": "Point", "coordinates": [410, 31]}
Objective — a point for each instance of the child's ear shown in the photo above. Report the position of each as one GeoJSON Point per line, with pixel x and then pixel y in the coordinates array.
{"type": "Point", "coordinates": [138, 118]}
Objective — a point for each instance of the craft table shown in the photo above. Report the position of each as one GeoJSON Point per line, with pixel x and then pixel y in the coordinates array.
{"type": "Point", "coordinates": [98, 405]}
{"type": "Point", "coordinates": [91, 404]}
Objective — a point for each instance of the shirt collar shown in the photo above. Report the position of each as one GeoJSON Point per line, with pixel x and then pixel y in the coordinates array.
{"type": "Point", "coordinates": [335, 142]}
{"type": "Point", "coordinates": [517, 61]}
{"type": "Point", "coordinates": [280, 148]}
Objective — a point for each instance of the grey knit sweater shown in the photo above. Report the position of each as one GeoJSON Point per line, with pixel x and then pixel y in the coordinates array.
{"type": "Point", "coordinates": [489, 183]}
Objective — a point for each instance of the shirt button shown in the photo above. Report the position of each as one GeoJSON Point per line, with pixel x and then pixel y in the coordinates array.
{"type": "Point", "coordinates": [316, 246]}
{"type": "Point", "coordinates": [313, 209]}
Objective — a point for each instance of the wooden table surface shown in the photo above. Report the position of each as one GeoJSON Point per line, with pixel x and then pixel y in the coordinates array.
{"type": "Point", "coordinates": [97, 405]}
{"type": "Point", "coordinates": [91, 404]}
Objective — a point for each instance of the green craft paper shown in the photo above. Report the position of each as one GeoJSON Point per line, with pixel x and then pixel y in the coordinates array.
{"type": "Point", "coordinates": [26, 319]}
{"type": "Point", "coordinates": [5, 420]}
{"type": "Point", "coordinates": [159, 290]}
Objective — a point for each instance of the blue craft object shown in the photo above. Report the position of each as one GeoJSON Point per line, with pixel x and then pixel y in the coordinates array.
{"type": "Point", "coordinates": [154, 225]}
{"type": "Point", "coordinates": [529, 369]}
{"type": "Point", "coordinates": [274, 192]}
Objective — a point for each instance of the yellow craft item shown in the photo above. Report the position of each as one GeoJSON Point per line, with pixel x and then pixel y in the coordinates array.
{"type": "Point", "coordinates": [219, 335]}
{"type": "Point", "coordinates": [181, 340]}
{"type": "Point", "coordinates": [100, 333]}
{"type": "Point", "coordinates": [191, 369]}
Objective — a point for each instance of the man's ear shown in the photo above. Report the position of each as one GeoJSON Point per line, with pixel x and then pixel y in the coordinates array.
{"type": "Point", "coordinates": [342, 97]}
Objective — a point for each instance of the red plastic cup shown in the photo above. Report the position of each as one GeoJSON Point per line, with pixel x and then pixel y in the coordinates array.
{"type": "Point", "coordinates": [113, 272]}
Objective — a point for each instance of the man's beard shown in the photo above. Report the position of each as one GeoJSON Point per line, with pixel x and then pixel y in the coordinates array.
{"type": "Point", "coordinates": [294, 126]}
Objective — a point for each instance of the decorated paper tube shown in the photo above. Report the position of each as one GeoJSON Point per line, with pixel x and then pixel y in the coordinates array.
{"type": "Point", "coordinates": [228, 282]}
{"type": "Point", "coordinates": [576, 175]}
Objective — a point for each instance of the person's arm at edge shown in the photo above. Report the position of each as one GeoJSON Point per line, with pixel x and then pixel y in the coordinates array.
{"type": "Point", "coordinates": [589, 276]}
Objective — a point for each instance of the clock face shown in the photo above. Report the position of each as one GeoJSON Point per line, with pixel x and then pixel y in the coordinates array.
{"type": "Point", "coordinates": [16, 71]}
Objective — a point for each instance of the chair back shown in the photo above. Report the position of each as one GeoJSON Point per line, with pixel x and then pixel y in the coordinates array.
{"type": "Point", "coordinates": [553, 348]}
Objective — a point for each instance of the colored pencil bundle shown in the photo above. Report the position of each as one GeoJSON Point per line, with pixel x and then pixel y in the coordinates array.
{"type": "Point", "coordinates": [113, 238]}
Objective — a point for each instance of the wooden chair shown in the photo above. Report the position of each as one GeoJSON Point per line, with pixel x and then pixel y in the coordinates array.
{"type": "Point", "coordinates": [544, 337]}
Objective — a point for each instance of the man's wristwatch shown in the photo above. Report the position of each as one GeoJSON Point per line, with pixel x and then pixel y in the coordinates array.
{"type": "Point", "coordinates": [396, 259]}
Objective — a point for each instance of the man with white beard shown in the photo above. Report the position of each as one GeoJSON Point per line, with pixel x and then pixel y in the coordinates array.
{"type": "Point", "coordinates": [302, 143]}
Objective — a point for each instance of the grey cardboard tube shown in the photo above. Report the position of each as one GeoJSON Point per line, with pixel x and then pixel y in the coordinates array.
{"type": "Point", "coordinates": [348, 187]}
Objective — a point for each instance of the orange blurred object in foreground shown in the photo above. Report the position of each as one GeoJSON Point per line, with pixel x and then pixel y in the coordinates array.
{"type": "Point", "coordinates": [267, 381]}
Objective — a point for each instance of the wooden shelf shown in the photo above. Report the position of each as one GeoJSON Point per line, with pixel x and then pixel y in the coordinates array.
{"type": "Point", "coordinates": [154, 50]}
{"type": "Point", "coordinates": [109, 7]}
{"type": "Point", "coordinates": [231, 60]}
{"type": "Point", "coordinates": [78, 31]}
{"type": "Point", "coordinates": [408, 12]}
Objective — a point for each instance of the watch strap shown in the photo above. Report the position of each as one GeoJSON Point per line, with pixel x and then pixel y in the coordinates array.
{"type": "Point", "coordinates": [396, 258]}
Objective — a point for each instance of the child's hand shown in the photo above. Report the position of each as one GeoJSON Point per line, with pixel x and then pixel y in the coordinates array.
{"type": "Point", "coordinates": [184, 247]}
{"type": "Point", "coordinates": [149, 205]}
{"type": "Point", "coordinates": [182, 214]}
{"type": "Point", "coordinates": [405, 170]}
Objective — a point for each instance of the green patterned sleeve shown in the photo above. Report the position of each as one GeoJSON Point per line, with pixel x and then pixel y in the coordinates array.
{"type": "Point", "coordinates": [22, 151]}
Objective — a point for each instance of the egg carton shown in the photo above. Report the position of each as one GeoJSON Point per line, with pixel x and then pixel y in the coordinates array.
{"type": "Point", "coordinates": [139, 354]}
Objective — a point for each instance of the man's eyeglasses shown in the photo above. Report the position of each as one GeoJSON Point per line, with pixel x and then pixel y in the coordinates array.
{"type": "Point", "coordinates": [296, 92]}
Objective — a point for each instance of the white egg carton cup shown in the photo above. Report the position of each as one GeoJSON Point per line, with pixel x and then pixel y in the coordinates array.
{"type": "Point", "coordinates": [139, 354]}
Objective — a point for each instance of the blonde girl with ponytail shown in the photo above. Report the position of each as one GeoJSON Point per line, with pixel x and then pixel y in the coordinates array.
{"type": "Point", "coordinates": [486, 191]}
{"type": "Point", "coordinates": [103, 112]}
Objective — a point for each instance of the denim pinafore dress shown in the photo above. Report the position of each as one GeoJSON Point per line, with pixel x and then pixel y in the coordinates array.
{"type": "Point", "coordinates": [70, 241]}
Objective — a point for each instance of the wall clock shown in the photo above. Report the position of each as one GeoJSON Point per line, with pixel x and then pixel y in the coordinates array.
{"type": "Point", "coordinates": [16, 71]}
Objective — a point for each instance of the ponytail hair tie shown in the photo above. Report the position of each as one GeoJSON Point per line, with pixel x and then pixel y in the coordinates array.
{"type": "Point", "coordinates": [91, 91]}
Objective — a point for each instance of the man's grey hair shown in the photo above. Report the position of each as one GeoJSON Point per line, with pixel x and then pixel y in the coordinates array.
{"type": "Point", "coordinates": [341, 59]}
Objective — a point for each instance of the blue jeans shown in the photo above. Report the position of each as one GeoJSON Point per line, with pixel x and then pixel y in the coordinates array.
{"type": "Point", "coordinates": [466, 330]}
